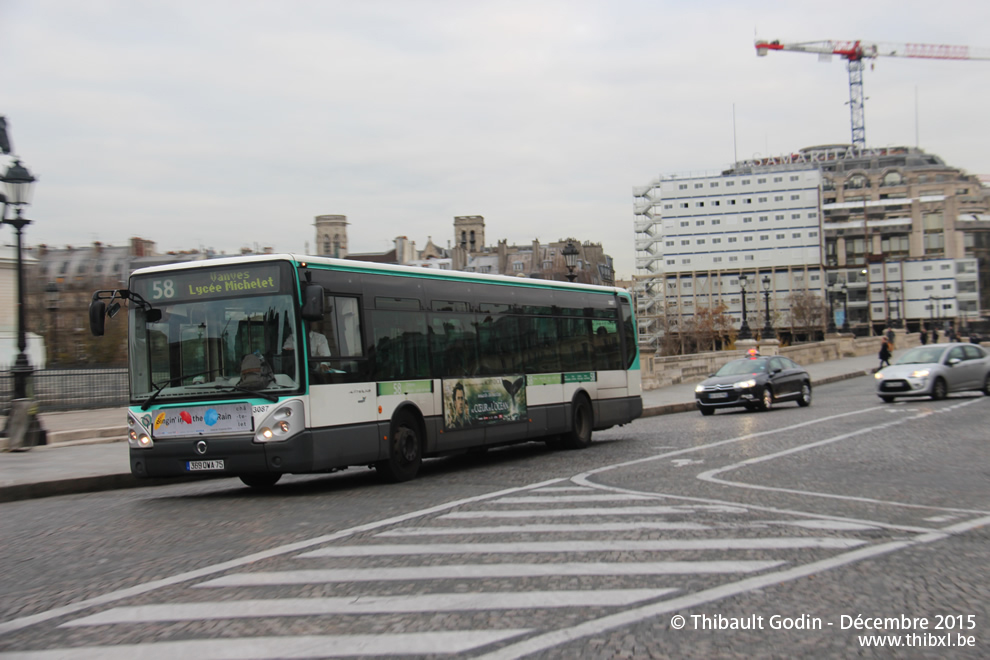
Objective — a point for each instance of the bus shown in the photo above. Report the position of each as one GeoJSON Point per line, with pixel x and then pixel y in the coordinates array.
{"type": "Point", "coordinates": [259, 366]}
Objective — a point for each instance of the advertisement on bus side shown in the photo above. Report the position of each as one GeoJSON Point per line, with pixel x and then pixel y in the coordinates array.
{"type": "Point", "coordinates": [471, 402]}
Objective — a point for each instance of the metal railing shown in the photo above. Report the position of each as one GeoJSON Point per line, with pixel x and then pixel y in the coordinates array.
{"type": "Point", "coordinates": [71, 388]}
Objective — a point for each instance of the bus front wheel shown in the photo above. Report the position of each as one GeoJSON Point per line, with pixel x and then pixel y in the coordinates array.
{"type": "Point", "coordinates": [405, 450]}
{"type": "Point", "coordinates": [582, 422]}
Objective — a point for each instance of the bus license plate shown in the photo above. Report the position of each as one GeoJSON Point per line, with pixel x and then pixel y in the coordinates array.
{"type": "Point", "coordinates": [718, 395]}
{"type": "Point", "coordinates": [202, 466]}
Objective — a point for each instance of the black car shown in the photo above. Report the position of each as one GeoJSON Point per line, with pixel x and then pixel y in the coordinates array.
{"type": "Point", "coordinates": [756, 382]}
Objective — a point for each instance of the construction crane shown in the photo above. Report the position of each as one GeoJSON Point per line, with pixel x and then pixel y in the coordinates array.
{"type": "Point", "coordinates": [857, 51]}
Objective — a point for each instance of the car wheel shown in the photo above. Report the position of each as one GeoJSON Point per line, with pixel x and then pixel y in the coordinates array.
{"type": "Point", "coordinates": [805, 399]}
{"type": "Point", "coordinates": [766, 403]}
{"type": "Point", "coordinates": [887, 399]}
{"type": "Point", "coordinates": [405, 450]}
{"type": "Point", "coordinates": [986, 386]}
{"type": "Point", "coordinates": [939, 390]}
{"type": "Point", "coordinates": [262, 480]}
{"type": "Point", "coordinates": [706, 411]}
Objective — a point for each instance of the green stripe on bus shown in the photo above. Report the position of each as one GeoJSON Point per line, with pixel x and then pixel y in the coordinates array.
{"type": "Point", "coordinates": [543, 379]}
{"type": "Point", "coordinates": [581, 377]}
{"type": "Point", "coordinates": [405, 387]}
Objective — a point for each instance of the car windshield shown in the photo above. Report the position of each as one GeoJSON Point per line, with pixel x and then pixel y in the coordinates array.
{"type": "Point", "coordinates": [740, 367]}
{"type": "Point", "coordinates": [922, 355]}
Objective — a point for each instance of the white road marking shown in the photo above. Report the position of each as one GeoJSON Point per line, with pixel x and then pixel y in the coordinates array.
{"type": "Point", "coordinates": [711, 475]}
{"type": "Point", "coordinates": [630, 617]}
{"type": "Point", "coordinates": [584, 528]}
{"type": "Point", "coordinates": [570, 499]}
{"type": "Point", "coordinates": [448, 602]}
{"type": "Point", "coordinates": [482, 571]}
{"type": "Point", "coordinates": [262, 648]}
{"type": "Point", "coordinates": [595, 511]}
{"type": "Point", "coordinates": [681, 462]}
{"type": "Point", "coordinates": [557, 547]}
{"type": "Point", "coordinates": [30, 620]}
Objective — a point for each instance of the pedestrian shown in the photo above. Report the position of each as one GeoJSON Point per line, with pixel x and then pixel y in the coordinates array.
{"type": "Point", "coordinates": [924, 336]}
{"type": "Point", "coordinates": [934, 335]}
{"type": "Point", "coordinates": [890, 337]}
{"type": "Point", "coordinates": [884, 353]}
{"type": "Point", "coordinates": [951, 333]}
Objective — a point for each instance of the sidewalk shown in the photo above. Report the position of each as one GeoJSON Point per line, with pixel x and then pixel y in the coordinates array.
{"type": "Point", "coordinates": [87, 450]}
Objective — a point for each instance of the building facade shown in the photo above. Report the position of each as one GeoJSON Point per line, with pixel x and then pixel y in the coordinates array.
{"type": "Point", "coordinates": [878, 237]}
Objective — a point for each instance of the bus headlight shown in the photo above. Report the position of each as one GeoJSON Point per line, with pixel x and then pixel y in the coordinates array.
{"type": "Point", "coordinates": [138, 435]}
{"type": "Point", "coordinates": [284, 422]}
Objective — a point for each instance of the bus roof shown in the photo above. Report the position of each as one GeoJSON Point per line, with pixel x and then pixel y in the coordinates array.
{"type": "Point", "coordinates": [370, 267]}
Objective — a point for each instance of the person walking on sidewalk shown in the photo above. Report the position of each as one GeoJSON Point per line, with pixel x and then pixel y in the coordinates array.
{"type": "Point", "coordinates": [884, 353]}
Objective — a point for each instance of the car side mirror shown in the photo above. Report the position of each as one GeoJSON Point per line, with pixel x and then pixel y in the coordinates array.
{"type": "Point", "coordinates": [954, 361]}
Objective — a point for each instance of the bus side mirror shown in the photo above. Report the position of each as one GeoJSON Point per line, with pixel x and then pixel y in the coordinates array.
{"type": "Point", "coordinates": [313, 296]}
{"type": "Point", "coordinates": [97, 317]}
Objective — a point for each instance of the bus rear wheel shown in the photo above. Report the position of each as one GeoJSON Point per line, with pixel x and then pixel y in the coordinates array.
{"type": "Point", "coordinates": [262, 480]}
{"type": "Point", "coordinates": [582, 422]}
{"type": "Point", "coordinates": [405, 450]}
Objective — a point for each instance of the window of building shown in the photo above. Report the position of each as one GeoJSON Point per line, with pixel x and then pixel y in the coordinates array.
{"type": "Point", "coordinates": [685, 223]}
{"type": "Point", "coordinates": [778, 198]}
{"type": "Point", "coordinates": [682, 186]}
{"type": "Point", "coordinates": [761, 199]}
{"type": "Point", "coordinates": [796, 234]}
{"type": "Point", "coordinates": [733, 258]}
{"type": "Point", "coordinates": [779, 216]}
{"type": "Point", "coordinates": [795, 216]}
{"type": "Point", "coordinates": [685, 242]}
{"type": "Point", "coordinates": [716, 221]}
{"type": "Point", "coordinates": [765, 237]}
{"type": "Point", "coordinates": [699, 223]}
{"type": "Point", "coordinates": [793, 197]}
{"type": "Point", "coordinates": [701, 241]}
{"type": "Point", "coordinates": [713, 184]}
{"type": "Point", "coordinates": [733, 239]}
{"type": "Point", "coordinates": [748, 200]}
{"type": "Point", "coordinates": [729, 183]}
{"type": "Point", "coordinates": [684, 205]}
{"type": "Point", "coordinates": [685, 261]}
{"type": "Point", "coordinates": [761, 180]}
{"type": "Point", "coordinates": [750, 257]}
{"type": "Point", "coordinates": [745, 182]}
{"type": "Point", "coordinates": [946, 287]}
{"type": "Point", "coordinates": [764, 218]}
{"type": "Point", "coordinates": [667, 207]}
{"type": "Point", "coordinates": [782, 236]}
{"type": "Point", "coordinates": [717, 260]}
{"type": "Point", "coordinates": [716, 240]}
{"type": "Point", "coordinates": [670, 243]}
{"type": "Point", "coordinates": [671, 262]}
{"type": "Point", "coordinates": [699, 204]}
{"type": "Point", "coordinates": [715, 203]}
{"type": "Point", "coordinates": [517, 266]}
{"type": "Point", "coordinates": [745, 220]}
{"type": "Point", "coordinates": [778, 179]}
{"type": "Point", "coordinates": [812, 234]}
{"type": "Point", "coordinates": [794, 177]}
{"type": "Point", "coordinates": [699, 185]}
{"type": "Point", "coordinates": [747, 239]}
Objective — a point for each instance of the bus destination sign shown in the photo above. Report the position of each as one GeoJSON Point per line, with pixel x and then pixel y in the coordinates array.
{"type": "Point", "coordinates": [203, 283]}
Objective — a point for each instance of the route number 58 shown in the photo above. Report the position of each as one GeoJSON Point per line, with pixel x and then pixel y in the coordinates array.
{"type": "Point", "coordinates": [162, 289]}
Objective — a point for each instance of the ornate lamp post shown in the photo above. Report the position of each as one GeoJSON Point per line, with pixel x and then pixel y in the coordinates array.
{"type": "Point", "coordinates": [845, 308]}
{"type": "Point", "coordinates": [51, 304]}
{"type": "Point", "coordinates": [768, 331]}
{"type": "Point", "coordinates": [18, 180]}
{"type": "Point", "coordinates": [570, 253]}
{"type": "Point", "coordinates": [744, 331]}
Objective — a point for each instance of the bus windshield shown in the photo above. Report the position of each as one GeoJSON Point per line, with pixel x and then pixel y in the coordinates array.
{"type": "Point", "coordinates": [221, 331]}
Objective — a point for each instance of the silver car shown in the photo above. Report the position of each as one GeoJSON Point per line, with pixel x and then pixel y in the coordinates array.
{"type": "Point", "coordinates": [936, 371]}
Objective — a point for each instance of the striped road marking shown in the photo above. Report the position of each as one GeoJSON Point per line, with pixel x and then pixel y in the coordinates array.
{"type": "Point", "coordinates": [481, 571]}
{"type": "Point", "coordinates": [448, 602]}
{"type": "Point", "coordinates": [785, 543]}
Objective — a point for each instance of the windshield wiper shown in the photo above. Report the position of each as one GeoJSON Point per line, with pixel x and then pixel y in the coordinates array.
{"type": "Point", "coordinates": [159, 388]}
{"type": "Point", "coordinates": [264, 395]}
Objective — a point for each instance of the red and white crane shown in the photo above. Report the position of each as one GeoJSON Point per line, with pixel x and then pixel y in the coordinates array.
{"type": "Point", "coordinates": [857, 51]}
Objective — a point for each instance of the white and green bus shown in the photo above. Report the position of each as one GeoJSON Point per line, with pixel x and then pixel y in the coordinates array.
{"type": "Point", "coordinates": [265, 365]}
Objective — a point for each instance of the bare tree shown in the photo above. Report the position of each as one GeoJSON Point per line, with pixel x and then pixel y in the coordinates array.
{"type": "Point", "coordinates": [808, 311]}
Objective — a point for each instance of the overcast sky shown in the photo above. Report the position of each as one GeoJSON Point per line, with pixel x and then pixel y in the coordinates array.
{"type": "Point", "coordinates": [230, 123]}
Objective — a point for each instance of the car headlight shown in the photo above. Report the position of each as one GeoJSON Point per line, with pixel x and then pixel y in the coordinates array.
{"type": "Point", "coordinates": [700, 388]}
{"type": "Point", "coordinates": [878, 375]}
{"type": "Point", "coordinates": [920, 373]}
{"type": "Point", "coordinates": [745, 384]}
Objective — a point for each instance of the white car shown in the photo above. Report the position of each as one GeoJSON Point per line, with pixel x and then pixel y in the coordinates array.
{"type": "Point", "coordinates": [936, 370]}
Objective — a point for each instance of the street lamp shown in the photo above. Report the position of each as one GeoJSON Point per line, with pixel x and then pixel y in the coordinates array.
{"type": "Point", "coordinates": [570, 258]}
{"type": "Point", "coordinates": [744, 331]}
{"type": "Point", "coordinates": [845, 308]}
{"type": "Point", "coordinates": [768, 331]}
{"type": "Point", "coordinates": [18, 181]}
{"type": "Point", "coordinates": [51, 304]}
